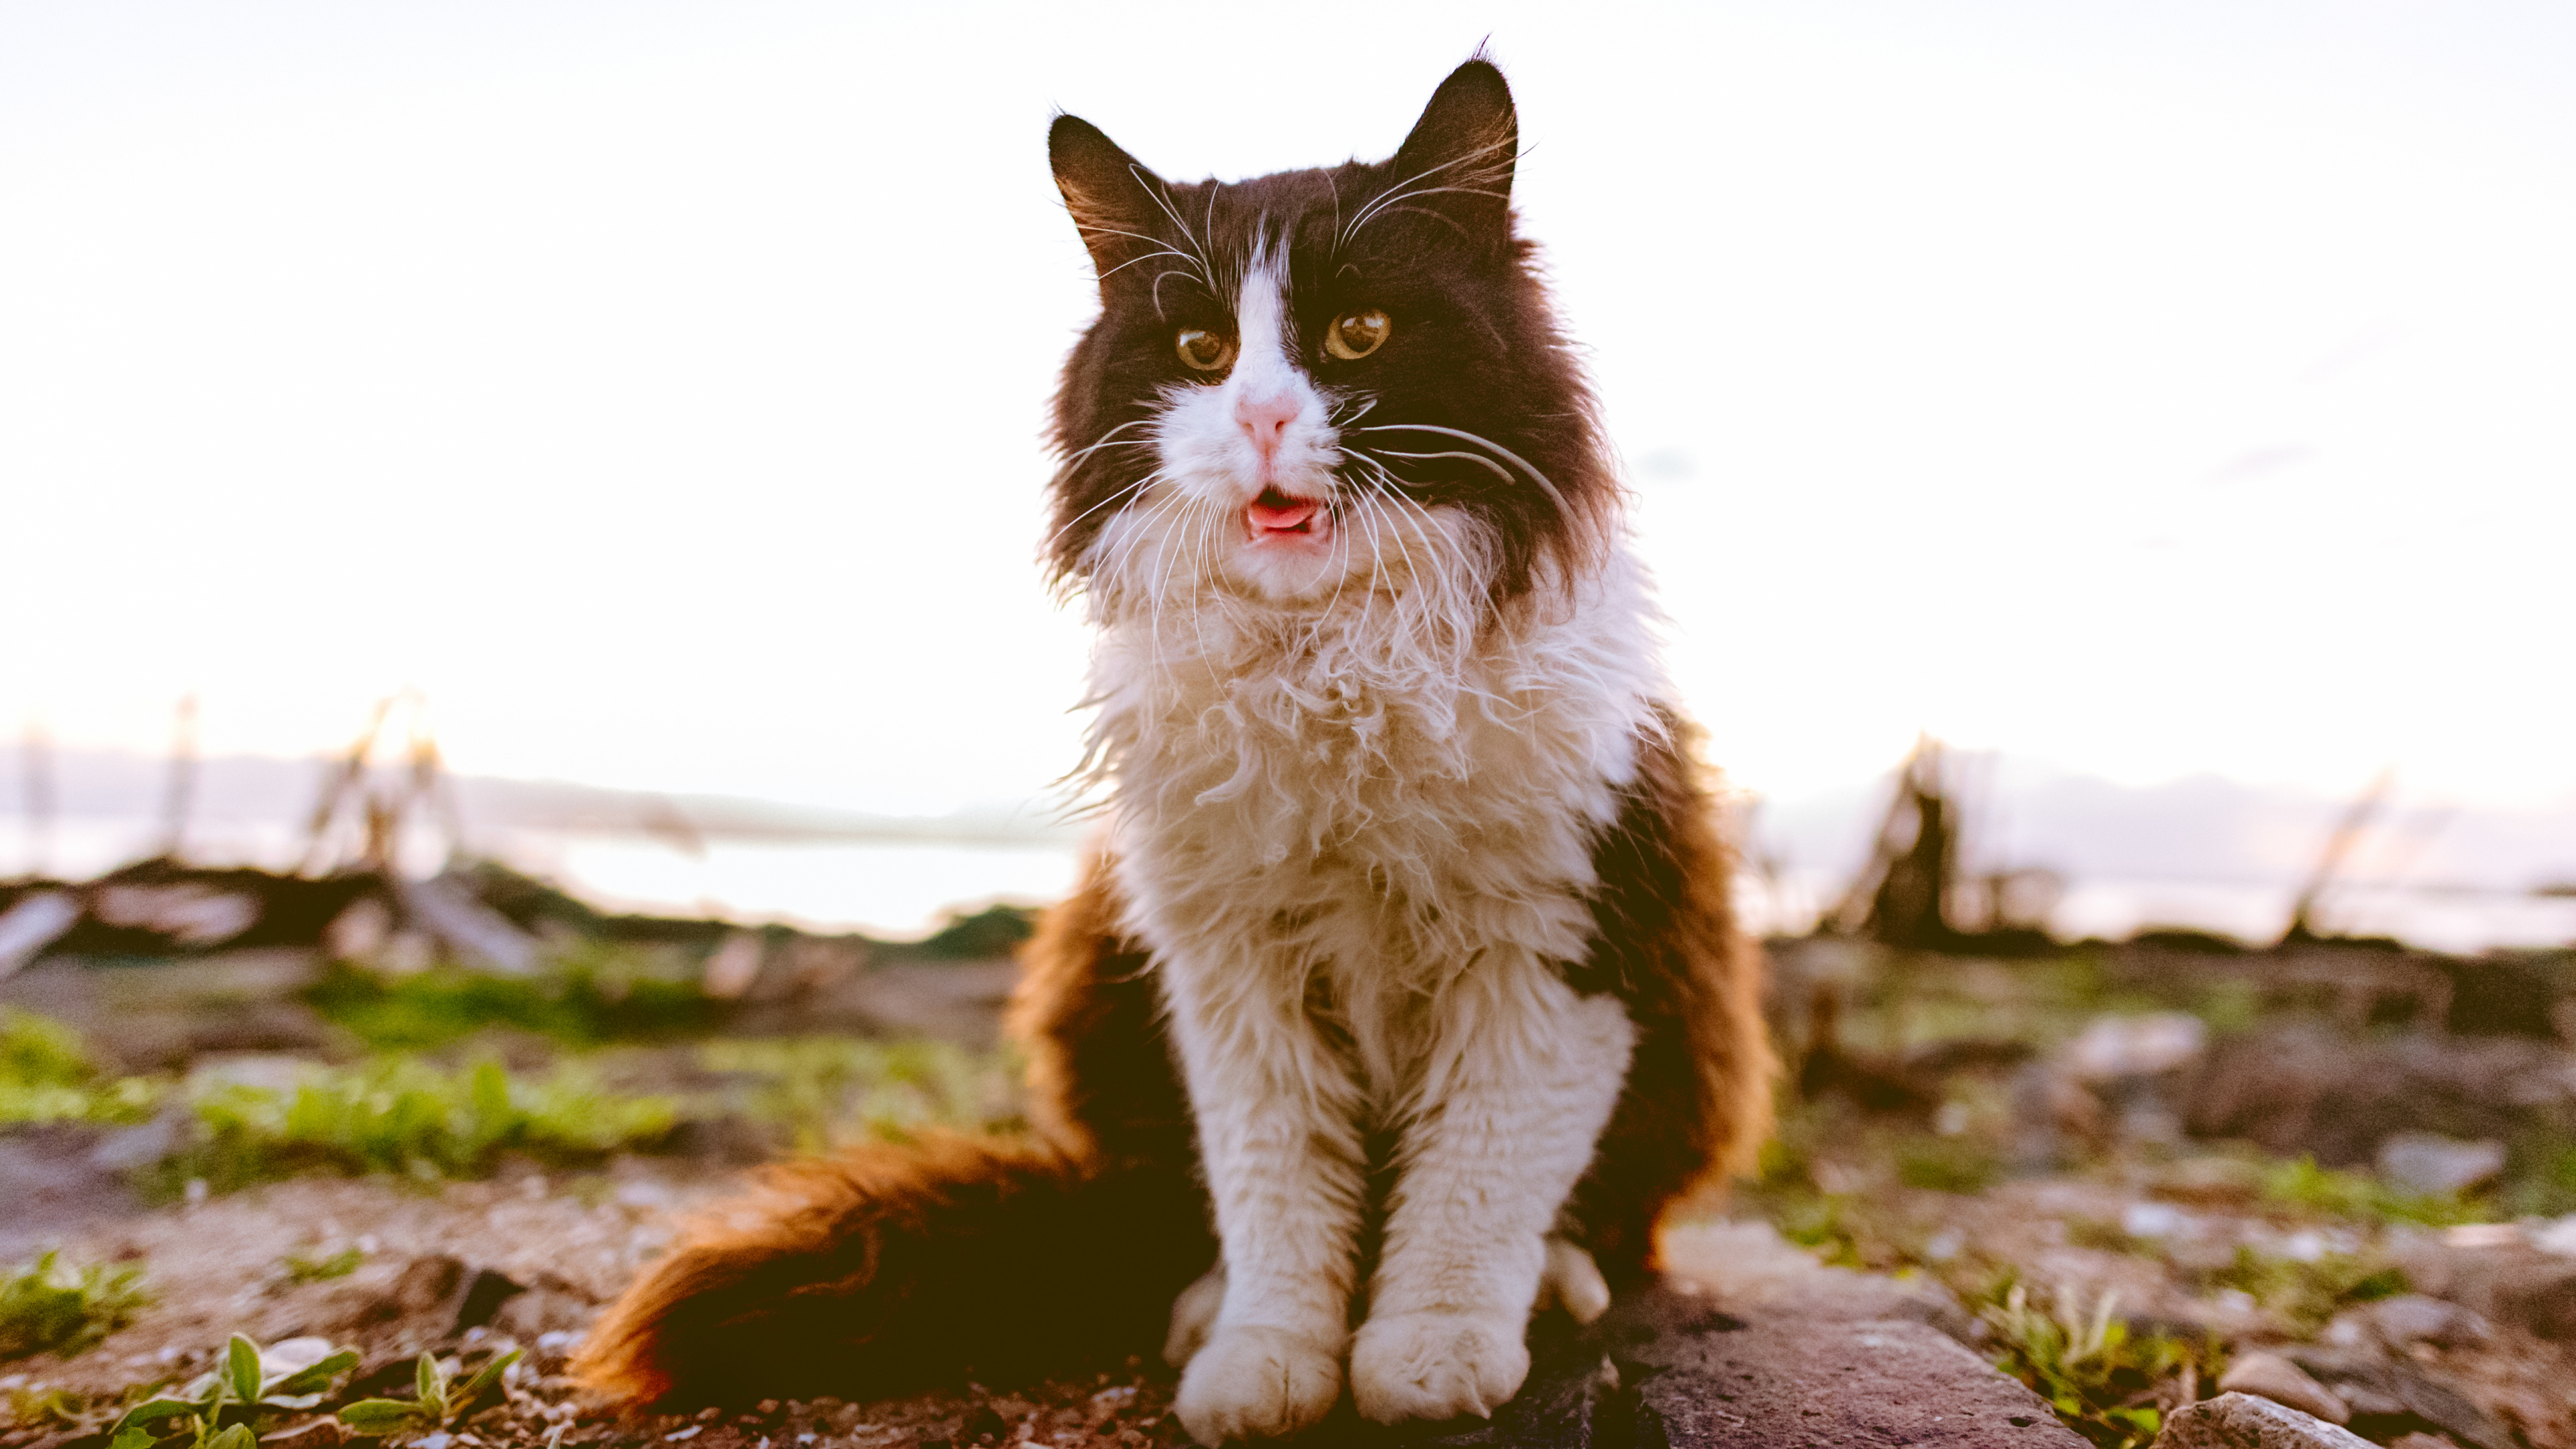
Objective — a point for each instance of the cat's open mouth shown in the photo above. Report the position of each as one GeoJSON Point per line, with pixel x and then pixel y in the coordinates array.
{"type": "Point", "coordinates": [1278, 516]}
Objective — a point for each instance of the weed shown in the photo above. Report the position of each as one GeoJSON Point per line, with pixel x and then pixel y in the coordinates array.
{"type": "Point", "coordinates": [301, 1269]}
{"type": "Point", "coordinates": [991, 932]}
{"type": "Point", "coordinates": [829, 1091]}
{"type": "Point", "coordinates": [1946, 1164]}
{"type": "Point", "coordinates": [404, 1116]}
{"type": "Point", "coordinates": [2306, 1293]}
{"type": "Point", "coordinates": [48, 1075]}
{"type": "Point", "coordinates": [2102, 1235]}
{"type": "Point", "coordinates": [440, 1399]}
{"type": "Point", "coordinates": [46, 1307]}
{"type": "Point", "coordinates": [2301, 1185]}
{"type": "Point", "coordinates": [2099, 1378]}
{"type": "Point", "coordinates": [223, 1408]}
{"type": "Point", "coordinates": [593, 996]}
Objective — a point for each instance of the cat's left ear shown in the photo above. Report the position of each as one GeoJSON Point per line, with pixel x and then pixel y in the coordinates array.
{"type": "Point", "coordinates": [1119, 205]}
{"type": "Point", "coordinates": [1458, 160]}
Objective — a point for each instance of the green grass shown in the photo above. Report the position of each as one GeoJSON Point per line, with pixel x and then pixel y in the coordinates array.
{"type": "Point", "coordinates": [404, 1116]}
{"type": "Point", "coordinates": [2300, 1186]}
{"type": "Point", "coordinates": [301, 1269]}
{"type": "Point", "coordinates": [2309, 1293]}
{"type": "Point", "coordinates": [49, 1307]}
{"type": "Point", "coordinates": [2100, 1378]}
{"type": "Point", "coordinates": [591, 997]}
{"type": "Point", "coordinates": [1947, 1164]}
{"type": "Point", "coordinates": [48, 1075]}
{"type": "Point", "coordinates": [830, 1091]}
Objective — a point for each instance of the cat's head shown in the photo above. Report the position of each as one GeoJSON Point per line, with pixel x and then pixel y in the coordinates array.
{"type": "Point", "coordinates": [1315, 386]}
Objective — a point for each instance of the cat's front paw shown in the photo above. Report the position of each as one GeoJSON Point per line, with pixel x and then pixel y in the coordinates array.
{"type": "Point", "coordinates": [1436, 1366]}
{"type": "Point", "coordinates": [1257, 1383]}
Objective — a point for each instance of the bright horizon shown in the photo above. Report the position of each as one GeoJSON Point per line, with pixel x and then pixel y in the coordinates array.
{"type": "Point", "coordinates": [2147, 392]}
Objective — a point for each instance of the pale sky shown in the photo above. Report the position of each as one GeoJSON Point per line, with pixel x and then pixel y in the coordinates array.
{"type": "Point", "coordinates": [2144, 388]}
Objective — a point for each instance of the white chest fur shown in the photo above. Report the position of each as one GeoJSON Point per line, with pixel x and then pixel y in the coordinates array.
{"type": "Point", "coordinates": [1376, 800]}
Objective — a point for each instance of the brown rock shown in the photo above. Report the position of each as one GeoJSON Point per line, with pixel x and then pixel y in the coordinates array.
{"type": "Point", "coordinates": [2242, 1421]}
{"type": "Point", "coordinates": [2283, 1382]}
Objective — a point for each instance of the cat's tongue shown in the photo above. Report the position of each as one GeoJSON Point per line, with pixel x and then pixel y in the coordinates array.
{"type": "Point", "coordinates": [1276, 512]}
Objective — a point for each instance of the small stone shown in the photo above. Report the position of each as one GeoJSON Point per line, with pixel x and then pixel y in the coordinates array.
{"type": "Point", "coordinates": [2414, 1318]}
{"type": "Point", "coordinates": [2283, 1382]}
{"type": "Point", "coordinates": [2421, 1440]}
{"type": "Point", "coordinates": [2112, 1047]}
{"type": "Point", "coordinates": [2151, 1220]}
{"type": "Point", "coordinates": [2243, 1421]}
{"type": "Point", "coordinates": [2427, 1162]}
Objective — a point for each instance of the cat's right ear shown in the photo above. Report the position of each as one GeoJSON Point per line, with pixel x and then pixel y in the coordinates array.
{"type": "Point", "coordinates": [1116, 202]}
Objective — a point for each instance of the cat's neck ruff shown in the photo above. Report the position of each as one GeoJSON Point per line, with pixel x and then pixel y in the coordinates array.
{"type": "Point", "coordinates": [1419, 756]}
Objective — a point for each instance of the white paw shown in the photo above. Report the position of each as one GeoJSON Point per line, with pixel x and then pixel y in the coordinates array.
{"type": "Point", "coordinates": [1257, 1383]}
{"type": "Point", "coordinates": [1571, 1281]}
{"type": "Point", "coordinates": [1436, 1366]}
{"type": "Point", "coordinates": [1194, 1316]}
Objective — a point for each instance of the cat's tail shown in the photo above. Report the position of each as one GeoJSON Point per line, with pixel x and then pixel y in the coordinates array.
{"type": "Point", "coordinates": [895, 1267]}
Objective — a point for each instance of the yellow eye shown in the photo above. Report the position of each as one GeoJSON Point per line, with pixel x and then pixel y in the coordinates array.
{"type": "Point", "coordinates": [1355, 335]}
{"type": "Point", "coordinates": [1205, 350]}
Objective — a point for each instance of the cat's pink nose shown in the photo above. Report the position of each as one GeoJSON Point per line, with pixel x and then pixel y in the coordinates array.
{"type": "Point", "coordinates": [1265, 420]}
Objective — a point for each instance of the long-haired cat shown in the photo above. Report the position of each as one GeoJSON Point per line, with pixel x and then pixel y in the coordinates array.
{"type": "Point", "coordinates": [1406, 966]}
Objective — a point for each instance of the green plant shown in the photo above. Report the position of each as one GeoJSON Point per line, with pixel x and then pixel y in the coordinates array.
{"type": "Point", "coordinates": [440, 1400]}
{"type": "Point", "coordinates": [2301, 1185]}
{"type": "Point", "coordinates": [593, 995]}
{"type": "Point", "coordinates": [48, 1075]}
{"type": "Point", "coordinates": [45, 1306]}
{"type": "Point", "coordinates": [400, 1115]}
{"type": "Point", "coordinates": [828, 1091]}
{"type": "Point", "coordinates": [301, 1269]}
{"type": "Point", "coordinates": [2101, 1379]}
{"type": "Point", "coordinates": [1946, 1164]}
{"type": "Point", "coordinates": [223, 1407]}
{"type": "Point", "coordinates": [2307, 1292]}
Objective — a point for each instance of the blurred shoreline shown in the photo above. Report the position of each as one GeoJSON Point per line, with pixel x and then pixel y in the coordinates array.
{"type": "Point", "coordinates": [2198, 854]}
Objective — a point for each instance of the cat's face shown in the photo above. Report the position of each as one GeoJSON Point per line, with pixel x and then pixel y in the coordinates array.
{"type": "Point", "coordinates": [1317, 385]}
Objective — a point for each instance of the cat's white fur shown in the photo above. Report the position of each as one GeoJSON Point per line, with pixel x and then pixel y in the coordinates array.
{"type": "Point", "coordinates": [1353, 809]}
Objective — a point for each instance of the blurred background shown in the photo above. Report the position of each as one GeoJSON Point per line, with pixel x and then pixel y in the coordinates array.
{"type": "Point", "coordinates": [2167, 401]}
{"type": "Point", "coordinates": [517, 530]}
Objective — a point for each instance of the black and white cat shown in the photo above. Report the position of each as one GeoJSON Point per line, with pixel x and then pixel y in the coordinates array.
{"type": "Point", "coordinates": [1406, 960]}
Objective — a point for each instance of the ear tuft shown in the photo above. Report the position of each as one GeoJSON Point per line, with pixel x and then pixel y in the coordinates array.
{"type": "Point", "coordinates": [1110, 195]}
{"type": "Point", "coordinates": [1466, 142]}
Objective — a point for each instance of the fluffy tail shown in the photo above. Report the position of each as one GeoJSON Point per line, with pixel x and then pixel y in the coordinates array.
{"type": "Point", "coordinates": [891, 1268]}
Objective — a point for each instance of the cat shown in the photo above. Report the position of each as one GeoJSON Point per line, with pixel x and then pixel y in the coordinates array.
{"type": "Point", "coordinates": [1403, 997]}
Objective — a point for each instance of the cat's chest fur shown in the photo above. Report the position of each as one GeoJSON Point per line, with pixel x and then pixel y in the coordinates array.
{"type": "Point", "coordinates": [1364, 810]}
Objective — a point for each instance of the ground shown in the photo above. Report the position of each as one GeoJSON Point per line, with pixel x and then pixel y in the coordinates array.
{"type": "Point", "coordinates": [2116, 1214]}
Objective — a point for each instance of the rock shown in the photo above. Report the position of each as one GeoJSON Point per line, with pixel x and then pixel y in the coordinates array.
{"type": "Point", "coordinates": [2411, 1318]}
{"type": "Point", "coordinates": [54, 1184]}
{"type": "Point", "coordinates": [2301, 1088]}
{"type": "Point", "coordinates": [2391, 1394]}
{"type": "Point", "coordinates": [2506, 1280]}
{"type": "Point", "coordinates": [2432, 1164]}
{"type": "Point", "coordinates": [549, 1308]}
{"type": "Point", "coordinates": [2283, 1382]}
{"type": "Point", "coordinates": [2112, 1047]}
{"type": "Point", "coordinates": [2557, 1235]}
{"type": "Point", "coordinates": [2242, 1421]}
{"type": "Point", "coordinates": [31, 924]}
{"type": "Point", "coordinates": [483, 1296]}
{"type": "Point", "coordinates": [2421, 1440]}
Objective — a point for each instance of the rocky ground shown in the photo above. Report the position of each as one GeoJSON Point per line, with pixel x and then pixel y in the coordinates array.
{"type": "Point", "coordinates": [2131, 1180]}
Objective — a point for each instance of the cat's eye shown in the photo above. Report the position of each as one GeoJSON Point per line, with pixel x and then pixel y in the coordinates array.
{"type": "Point", "coordinates": [1355, 335]}
{"type": "Point", "coordinates": [1207, 351]}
